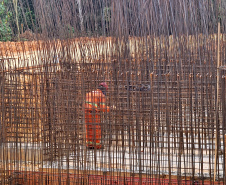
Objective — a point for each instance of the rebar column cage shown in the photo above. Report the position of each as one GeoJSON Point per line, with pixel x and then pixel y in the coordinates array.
{"type": "Point", "coordinates": [163, 125]}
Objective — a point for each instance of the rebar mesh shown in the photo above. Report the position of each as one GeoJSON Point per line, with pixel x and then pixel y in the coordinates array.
{"type": "Point", "coordinates": [166, 96]}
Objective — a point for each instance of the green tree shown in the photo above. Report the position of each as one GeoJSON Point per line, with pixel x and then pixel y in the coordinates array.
{"type": "Point", "coordinates": [15, 5]}
{"type": "Point", "coordinates": [5, 15]}
{"type": "Point", "coordinates": [26, 15]}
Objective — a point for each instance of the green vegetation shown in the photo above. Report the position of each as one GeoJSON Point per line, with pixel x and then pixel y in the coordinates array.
{"type": "Point", "coordinates": [5, 16]}
{"type": "Point", "coordinates": [26, 19]}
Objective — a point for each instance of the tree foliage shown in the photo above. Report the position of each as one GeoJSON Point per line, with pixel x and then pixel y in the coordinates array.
{"type": "Point", "coordinates": [5, 16]}
{"type": "Point", "coordinates": [75, 18]}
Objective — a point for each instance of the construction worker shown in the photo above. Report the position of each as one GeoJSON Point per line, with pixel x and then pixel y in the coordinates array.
{"type": "Point", "coordinates": [94, 105]}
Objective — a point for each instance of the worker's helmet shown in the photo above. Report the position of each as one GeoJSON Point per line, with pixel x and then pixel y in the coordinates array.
{"type": "Point", "coordinates": [104, 84]}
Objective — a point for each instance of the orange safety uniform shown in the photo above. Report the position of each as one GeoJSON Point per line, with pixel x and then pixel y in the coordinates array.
{"type": "Point", "coordinates": [94, 105]}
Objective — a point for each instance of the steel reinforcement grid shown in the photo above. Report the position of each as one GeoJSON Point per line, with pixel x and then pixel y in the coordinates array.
{"type": "Point", "coordinates": [164, 64]}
